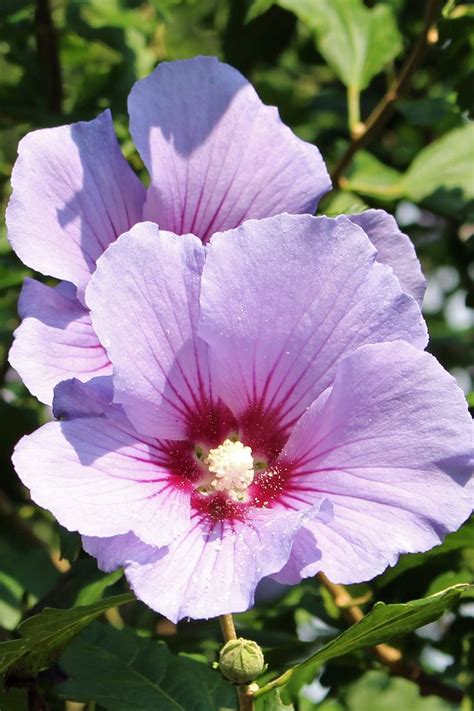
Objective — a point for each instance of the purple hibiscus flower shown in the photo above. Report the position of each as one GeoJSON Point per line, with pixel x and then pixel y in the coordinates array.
{"type": "Point", "coordinates": [271, 413]}
{"type": "Point", "coordinates": [216, 156]}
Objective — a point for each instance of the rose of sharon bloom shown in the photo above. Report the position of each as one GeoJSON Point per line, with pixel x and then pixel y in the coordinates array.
{"type": "Point", "coordinates": [272, 414]}
{"type": "Point", "coordinates": [216, 156]}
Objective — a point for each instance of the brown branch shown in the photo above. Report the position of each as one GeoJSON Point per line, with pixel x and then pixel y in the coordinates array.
{"type": "Point", "coordinates": [48, 53]}
{"type": "Point", "coordinates": [246, 699]}
{"type": "Point", "coordinates": [385, 107]}
{"type": "Point", "coordinates": [353, 613]}
{"type": "Point", "coordinates": [390, 656]}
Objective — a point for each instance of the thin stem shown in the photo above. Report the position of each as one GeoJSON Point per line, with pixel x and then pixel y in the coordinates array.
{"type": "Point", "coordinates": [353, 109]}
{"type": "Point", "coordinates": [384, 108]}
{"type": "Point", "coordinates": [246, 697]}
{"type": "Point", "coordinates": [228, 628]}
{"type": "Point", "coordinates": [275, 683]}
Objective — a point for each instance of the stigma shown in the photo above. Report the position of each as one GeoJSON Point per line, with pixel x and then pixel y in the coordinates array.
{"type": "Point", "coordinates": [232, 465]}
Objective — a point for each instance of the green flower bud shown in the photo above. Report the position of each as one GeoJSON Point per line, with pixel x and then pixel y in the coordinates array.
{"type": "Point", "coordinates": [241, 661]}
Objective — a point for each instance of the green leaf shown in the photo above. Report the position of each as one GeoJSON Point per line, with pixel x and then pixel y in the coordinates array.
{"type": "Point", "coordinates": [450, 578]}
{"type": "Point", "coordinates": [121, 671]}
{"type": "Point", "coordinates": [272, 702]}
{"type": "Point", "coordinates": [27, 572]}
{"type": "Point", "coordinates": [441, 174]}
{"type": "Point", "coordinates": [44, 636]}
{"type": "Point", "coordinates": [367, 175]}
{"type": "Point", "coordinates": [13, 700]}
{"type": "Point", "coordinates": [341, 202]}
{"type": "Point", "coordinates": [376, 691]}
{"type": "Point", "coordinates": [95, 589]}
{"type": "Point", "coordinates": [257, 8]}
{"type": "Point", "coordinates": [70, 544]}
{"type": "Point", "coordinates": [11, 276]}
{"type": "Point", "coordinates": [381, 624]}
{"type": "Point", "coordinates": [427, 111]}
{"type": "Point", "coordinates": [356, 42]}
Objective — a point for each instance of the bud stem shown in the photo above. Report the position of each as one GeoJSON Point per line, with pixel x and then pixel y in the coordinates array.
{"type": "Point", "coordinates": [227, 626]}
{"type": "Point", "coordinates": [246, 698]}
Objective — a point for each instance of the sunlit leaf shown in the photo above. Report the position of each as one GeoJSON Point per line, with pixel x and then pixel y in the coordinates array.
{"type": "Point", "coordinates": [377, 691]}
{"type": "Point", "coordinates": [442, 173]}
{"type": "Point", "coordinates": [340, 202]}
{"type": "Point", "coordinates": [367, 175]}
{"type": "Point", "coordinates": [357, 42]}
{"type": "Point", "coordinates": [439, 177]}
{"type": "Point", "coordinates": [382, 623]}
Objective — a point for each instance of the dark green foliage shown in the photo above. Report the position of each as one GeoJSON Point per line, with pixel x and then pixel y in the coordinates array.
{"type": "Point", "coordinates": [43, 636]}
{"type": "Point", "coordinates": [123, 671]}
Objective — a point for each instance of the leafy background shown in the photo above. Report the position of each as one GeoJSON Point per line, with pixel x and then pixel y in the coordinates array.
{"type": "Point", "coordinates": [326, 64]}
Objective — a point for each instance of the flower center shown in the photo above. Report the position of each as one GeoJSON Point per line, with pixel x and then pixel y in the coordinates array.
{"type": "Point", "coordinates": [233, 468]}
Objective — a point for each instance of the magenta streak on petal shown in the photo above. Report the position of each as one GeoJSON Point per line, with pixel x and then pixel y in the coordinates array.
{"type": "Point", "coordinates": [208, 232]}
{"type": "Point", "coordinates": [217, 508]}
{"type": "Point", "coordinates": [247, 214]}
{"type": "Point", "coordinates": [187, 412]}
{"type": "Point", "coordinates": [285, 377]}
{"type": "Point", "coordinates": [262, 431]}
{"type": "Point", "coordinates": [181, 398]}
